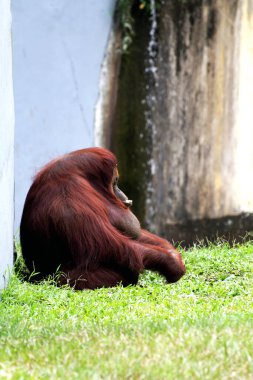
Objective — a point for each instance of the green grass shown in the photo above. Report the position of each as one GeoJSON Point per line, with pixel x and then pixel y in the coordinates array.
{"type": "Point", "coordinates": [198, 328]}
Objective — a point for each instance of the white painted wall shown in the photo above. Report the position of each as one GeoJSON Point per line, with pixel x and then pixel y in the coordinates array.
{"type": "Point", "coordinates": [6, 143]}
{"type": "Point", "coordinates": [58, 49]}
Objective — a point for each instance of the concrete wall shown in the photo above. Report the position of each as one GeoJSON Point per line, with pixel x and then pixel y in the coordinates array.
{"type": "Point", "coordinates": [6, 143]}
{"type": "Point", "coordinates": [244, 127]}
{"type": "Point", "coordinates": [185, 112]}
{"type": "Point", "coordinates": [58, 49]}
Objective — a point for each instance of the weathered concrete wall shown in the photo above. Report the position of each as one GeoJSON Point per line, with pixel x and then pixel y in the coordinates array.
{"type": "Point", "coordinates": [194, 88]}
{"type": "Point", "coordinates": [6, 144]}
{"type": "Point", "coordinates": [58, 49]}
{"type": "Point", "coordinates": [194, 148]}
{"type": "Point", "coordinates": [244, 117]}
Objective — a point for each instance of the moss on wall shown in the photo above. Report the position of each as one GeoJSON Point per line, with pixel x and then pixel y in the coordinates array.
{"type": "Point", "coordinates": [129, 136]}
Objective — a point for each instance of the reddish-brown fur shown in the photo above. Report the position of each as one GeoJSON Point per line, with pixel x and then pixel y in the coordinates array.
{"type": "Point", "coordinates": [72, 221]}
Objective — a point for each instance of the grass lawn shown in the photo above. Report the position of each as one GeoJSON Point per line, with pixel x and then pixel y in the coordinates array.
{"type": "Point", "coordinates": [198, 328]}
